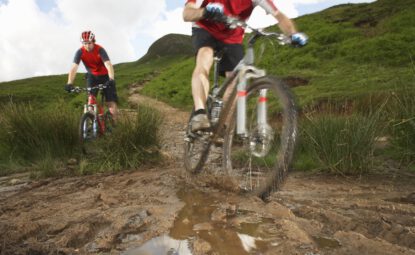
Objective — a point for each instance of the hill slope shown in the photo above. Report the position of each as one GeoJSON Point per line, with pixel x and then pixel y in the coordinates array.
{"type": "Point", "coordinates": [355, 50]}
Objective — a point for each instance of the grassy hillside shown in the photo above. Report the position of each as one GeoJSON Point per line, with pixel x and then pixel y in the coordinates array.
{"type": "Point", "coordinates": [355, 50]}
{"type": "Point", "coordinates": [43, 91]}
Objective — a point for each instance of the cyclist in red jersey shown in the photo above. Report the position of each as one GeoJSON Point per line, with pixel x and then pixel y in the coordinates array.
{"type": "Point", "coordinates": [99, 68]}
{"type": "Point", "coordinates": [209, 36]}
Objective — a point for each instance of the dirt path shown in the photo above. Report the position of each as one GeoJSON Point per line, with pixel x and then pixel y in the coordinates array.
{"type": "Point", "coordinates": [162, 211]}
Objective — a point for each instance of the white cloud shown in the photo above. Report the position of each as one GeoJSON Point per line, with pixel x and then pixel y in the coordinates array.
{"type": "Point", "coordinates": [37, 43]}
{"type": "Point", "coordinates": [171, 22]}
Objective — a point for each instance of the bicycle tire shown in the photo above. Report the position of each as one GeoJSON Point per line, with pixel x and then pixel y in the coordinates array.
{"type": "Point", "coordinates": [263, 175]}
{"type": "Point", "coordinates": [196, 149]}
{"type": "Point", "coordinates": [86, 131]}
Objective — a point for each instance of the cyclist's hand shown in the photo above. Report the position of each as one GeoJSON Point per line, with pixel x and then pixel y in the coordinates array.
{"type": "Point", "coordinates": [213, 11]}
{"type": "Point", "coordinates": [69, 87]}
{"type": "Point", "coordinates": [299, 39]}
{"type": "Point", "coordinates": [110, 83]}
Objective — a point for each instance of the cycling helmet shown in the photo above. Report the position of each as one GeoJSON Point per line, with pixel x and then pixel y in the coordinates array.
{"type": "Point", "coordinates": [87, 36]}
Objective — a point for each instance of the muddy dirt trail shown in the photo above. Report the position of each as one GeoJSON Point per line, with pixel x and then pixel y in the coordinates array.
{"type": "Point", "coordinates": [162, 210]}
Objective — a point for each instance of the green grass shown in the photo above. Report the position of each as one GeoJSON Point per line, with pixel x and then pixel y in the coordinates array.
{"type": "Point", "coordinates": [44, 139]}
{"type": "Point", "coordinates": [134, 142]}
{"type": "Point", "coordinates": [402, 126]}
{"type": "Point", "coordinates": [30, 133]}
{"type": "Point", "coordinates": [339, 144]}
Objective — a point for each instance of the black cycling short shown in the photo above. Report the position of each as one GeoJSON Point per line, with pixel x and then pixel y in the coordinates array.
{"type": "Point", "coordinates": [110, 93]}
{"type": "Point", "coordinates": [232, 53]}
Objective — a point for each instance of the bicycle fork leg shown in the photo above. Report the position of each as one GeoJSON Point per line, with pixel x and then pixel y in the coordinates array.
{"type": "Point", "coordinates": [241, 108]}
{"type": "Point", "coordinates": [262, 108]}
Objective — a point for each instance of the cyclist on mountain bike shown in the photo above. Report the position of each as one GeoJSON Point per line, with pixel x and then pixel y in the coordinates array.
{"type": "Point", "coordinates": [99, 68]}
{"type": "Point", "coordinates": [209, 36]}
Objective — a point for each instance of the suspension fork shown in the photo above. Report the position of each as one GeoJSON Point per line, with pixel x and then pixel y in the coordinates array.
{"type": "Point", "coordinates": [246, 74]}
{"type": "Point", "coordinates": [262, 108]}
{"type": "Point", "coordinates": [100, 114]}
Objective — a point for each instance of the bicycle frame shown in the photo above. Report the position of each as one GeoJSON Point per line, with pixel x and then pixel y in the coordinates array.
{"type": "Point", "coordinates": [94, 107]}
{"type": "Point", "coordinates": [97, 109]}
{"type": "Point", "coordinates": [241, 75]}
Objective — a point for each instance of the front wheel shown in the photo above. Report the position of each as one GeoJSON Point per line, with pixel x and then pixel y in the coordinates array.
{"type": "Point", "coordinates": [259, 162]}
{"type": "Point", "coordinates": [87, 131]}
{"type": "Point", "coordinates": [196, 149]}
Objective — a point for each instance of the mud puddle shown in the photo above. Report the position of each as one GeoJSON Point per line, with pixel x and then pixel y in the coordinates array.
{"type": "Point", "coordinates": [207, 225]}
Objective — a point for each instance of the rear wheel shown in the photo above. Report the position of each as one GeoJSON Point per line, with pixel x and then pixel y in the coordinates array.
{"type": "Point", "coordinates": [87, 132]}
{"type": "Point", "coordinates": [259, 162]}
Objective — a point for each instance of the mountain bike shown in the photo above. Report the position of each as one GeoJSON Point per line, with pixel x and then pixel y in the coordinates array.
{"type": "Point", "coordinates": [95, 122]}
{"type": "Point", "coordinates": [257, 124]}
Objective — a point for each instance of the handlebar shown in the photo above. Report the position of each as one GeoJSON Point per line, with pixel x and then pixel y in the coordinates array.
{"type": "Point", "coordinates": [233, 23]}
{"type": "Point", "coordinates": [88, 89]}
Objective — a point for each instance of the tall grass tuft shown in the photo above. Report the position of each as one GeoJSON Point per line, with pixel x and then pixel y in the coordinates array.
{"type": "Point", "coordinates": [134, 142]}
{"type": "Point", "coordinates": [29, 134]}
{"type": "Point", "coordinates": [341, 143]}
{"type": "Point", "coordinates": [402, 112]}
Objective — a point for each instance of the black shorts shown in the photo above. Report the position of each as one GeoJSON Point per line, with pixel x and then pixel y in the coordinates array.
{"type": "Point", "coordinates": [232, 53]}
{"type": "Point", "coordinates": [110, 93]}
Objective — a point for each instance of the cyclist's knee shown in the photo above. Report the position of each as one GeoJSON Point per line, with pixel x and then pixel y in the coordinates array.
{"type": "Point", "coordinates": [200, 74]}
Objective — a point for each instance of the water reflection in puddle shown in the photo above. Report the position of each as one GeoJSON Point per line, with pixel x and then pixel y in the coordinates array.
{"type": "Point", "coordinates": [162, 245]}
{"type": "Point", "coordinates": [194, 229]}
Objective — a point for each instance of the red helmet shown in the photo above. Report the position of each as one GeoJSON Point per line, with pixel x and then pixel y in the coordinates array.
{"type": "Point", "coordinates": [87, 36]}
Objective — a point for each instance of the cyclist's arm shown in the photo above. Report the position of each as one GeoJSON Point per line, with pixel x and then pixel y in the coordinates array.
{"type": "Point", "coordinates": [75, 65]}
{"type": "Point", "coordinates": [192, 12]}
{"type": "Point", "coordinates": [110, 69]}
{"type": "Point", "coordinates": [107, 63]}
{"type": "Point", "coordinates": [286, 25]}
{"type": "Point", "coordinates": [72, 73]}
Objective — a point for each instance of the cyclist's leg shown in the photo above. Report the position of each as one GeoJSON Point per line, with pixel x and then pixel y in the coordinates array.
{"type": "Point", "coordinates": [92, 81]}
{"type": "Point", "coordinates": [233, 53]}
{"type": "Point", "coordinates": [111, 99]}
{"type": "Point", "coordinates": [200, 77]}
{"type": "Point", "coordinates": [204, 45]}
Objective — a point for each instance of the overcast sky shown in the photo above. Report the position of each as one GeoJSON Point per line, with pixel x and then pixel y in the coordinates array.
{"type": "Point", "coordinates": [40, 37]}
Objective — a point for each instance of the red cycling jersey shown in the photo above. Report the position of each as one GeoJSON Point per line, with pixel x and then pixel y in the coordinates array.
{"type": "Point", "coordinates": [93, 60]}
{"type": "Point", "coordinates": [241, 9]}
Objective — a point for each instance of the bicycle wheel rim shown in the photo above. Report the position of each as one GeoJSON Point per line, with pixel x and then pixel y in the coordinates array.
{"type": "Point", "coordinates": [262, 174]}
{"type": "Point", "coordinates": [87, 134]}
